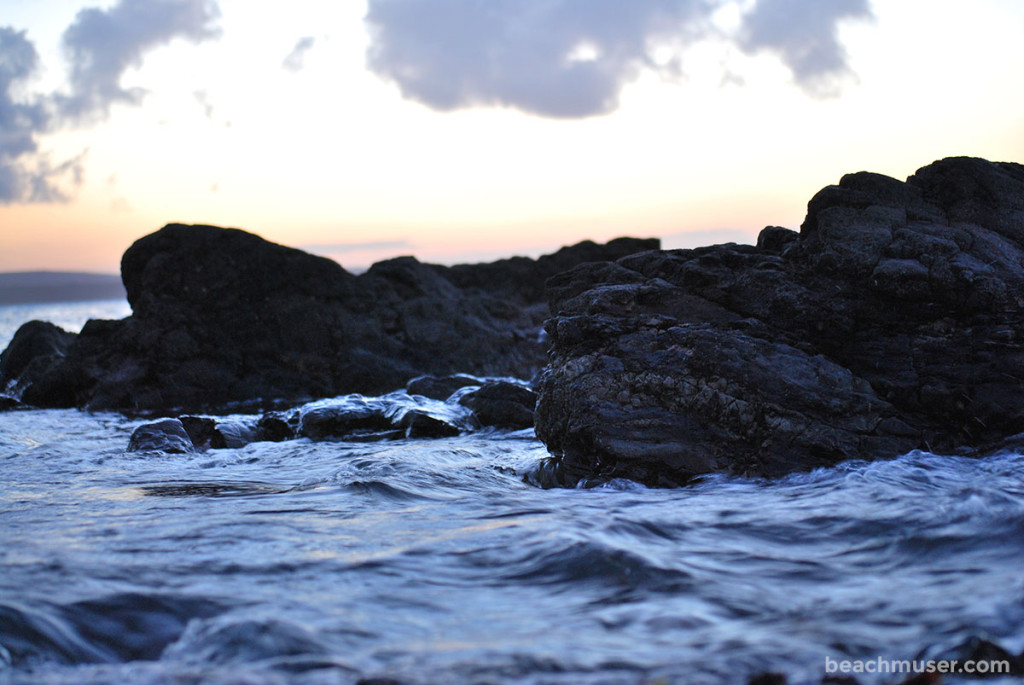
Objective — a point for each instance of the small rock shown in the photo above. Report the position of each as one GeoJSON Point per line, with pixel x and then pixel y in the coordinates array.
{"type": "Point", "coordinates": [202, 430]}
{"type": "Point", "coordinates": [166, 435]}
{"type": "Point", "coordinates": [421, 425]}
{"type": "Point", "coordinates": [234, 434]}
{"type": "Point", "coordinates": [9, 403]}
{"type": "Point", "coordinates": [274, 428]}
{"type": "Point", "coordinates": [342, 418]}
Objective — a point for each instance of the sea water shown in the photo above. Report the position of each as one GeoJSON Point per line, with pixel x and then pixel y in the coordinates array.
{"type": "Point", "coordinates": [434, 561]}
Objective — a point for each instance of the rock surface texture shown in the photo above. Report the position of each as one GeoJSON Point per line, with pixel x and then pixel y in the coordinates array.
{"type": "Point", "coordinates": [894, 320]}
{"type": "Point", "coordinates": [221, 316]}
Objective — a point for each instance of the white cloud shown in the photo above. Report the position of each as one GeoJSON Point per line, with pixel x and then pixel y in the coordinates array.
{"type": "Point", "coordinates": [805, 36]}
{"type": "Point", "coordinates": [572, 58]}
{"type": "Point", "coordinates": [295, 59]}
{"type": "Point", "coordinates": [101, 45]}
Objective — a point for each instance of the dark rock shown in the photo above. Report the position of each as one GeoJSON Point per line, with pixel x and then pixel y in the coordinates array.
{"type": "Point", "coordinates": [768, 679]}
{"type": "Point", "coordinates": [502, 404]}
{"type": "Point", "coordinates": [222, 317]}
{"type": "Point", "coordinates": [37, 347]}
{"type": "Point", "coordinates": [166, 435]}
{"type": "Point", "coordinates": [420, 425]}
{"type": "Point", "coordinates": [233, 434]}
{"type": "Point", "coordinates": [976, 650]}
{"type": "Point", "coordinates": [274, 428]}
{"type": "Point", "coordinates": [775, 239]}
{"type": "Point", "coordinates": [202, 430]}
{"type": "Point", "coordinates": [343, 417]}
{"type": "Point", "coordinates": [439, 388]}
{"type": "Point", "coordinates": [9, 403]}
{"type": "Point", "coordinates": [393, 416]}
{"type": "Point", "coordinates": [893, 322]}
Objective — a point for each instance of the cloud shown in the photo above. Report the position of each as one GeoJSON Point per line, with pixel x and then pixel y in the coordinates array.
{"type": "Point", "coordinates": [101, 45]}
{"type": "Point", "coordinates": [203, 98]}
{"type": "Point", "coordinates": [340, 248]}
{"type": "Point", "coordinates": [556, 58]}
{"type": "Point", "coordinates": [572, 58]}
{"type": "Point", "coordinates": [25, 175]}
{"type": "Point", "coordinates": [294, 61]}
{"type": "Point", "coordinates": [804, 33]}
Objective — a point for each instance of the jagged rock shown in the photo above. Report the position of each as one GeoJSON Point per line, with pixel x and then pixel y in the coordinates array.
{"type": "Point", "coordinates": [893, 321]}
{"type": "Point", "coordinates": [502, 404]}
{"type": "Point", "coordinates": [166, 435]}
{"type": "Point", "coordinates": [222, 318]}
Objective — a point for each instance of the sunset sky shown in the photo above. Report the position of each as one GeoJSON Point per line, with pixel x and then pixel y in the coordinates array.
{"type": "Point", "coordinates": [466, 130]}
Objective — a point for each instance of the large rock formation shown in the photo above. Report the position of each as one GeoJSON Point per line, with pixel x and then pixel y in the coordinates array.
{"type": "Point", "coordinates": [222, 316]}
{"type": "Point", "coordinates": [894, 320]}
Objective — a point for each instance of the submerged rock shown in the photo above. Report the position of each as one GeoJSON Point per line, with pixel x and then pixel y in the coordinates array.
{"type": "Point", "coordinates": [222, 317]}
{"type": "Point", "coordinates": [893, 321]}
{"type": "Point", "coordinates": [166, 435]}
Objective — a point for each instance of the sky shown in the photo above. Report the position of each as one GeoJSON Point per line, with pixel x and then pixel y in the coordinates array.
{"type": "Point", "coordinates": [468, 130]}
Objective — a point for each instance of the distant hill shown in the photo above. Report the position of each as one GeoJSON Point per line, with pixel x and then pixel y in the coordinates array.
{"type": "Point", "coordinates": [31, 287]}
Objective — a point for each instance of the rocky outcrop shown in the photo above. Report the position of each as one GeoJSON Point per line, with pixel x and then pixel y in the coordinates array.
{"type": "Point", "coordinates": [222, 318]}
{"type": "Point", "coordinates": [35, 348]}
{"type": "Point", "coordinates": [894, 320]}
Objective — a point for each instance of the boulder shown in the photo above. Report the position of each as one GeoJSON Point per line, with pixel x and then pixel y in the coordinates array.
{"type": "Point", "coordinates": [894, 320]}
{"type": "Point", "coordinates": [36, 348]}
{"type": "Point", "coordinates": [393, 416]}
{"type": "Point", "coordinates": [222, 319]}
{"type": "Point", "coordinates": [502, 404]}
{"type": "Point", "coordinates": [167, 435]}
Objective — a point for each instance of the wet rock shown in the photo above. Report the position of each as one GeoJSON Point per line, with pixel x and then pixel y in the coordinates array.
{"type": "Point", "coordinates": [417, 424]}
{"type": "Point", "coordinates": [768, 679]}
{"type": "Point", "coordinates": [390, 417]}
{"type": "Point", "coordinates": [202, 430]}
{"type": "Point", "coordinates": [891, 322]}
{"type": "Point", "coordinates": [37, 347]}
{"type": "Point", "coordinates": [986, 659]}
{"type": "Point", "coordinates": [274, 428]}
{"type": "Point", "coordinates": [502, 404]}
{"type": "Point", "coordinates": [439, 388]}
{"type": "Point", "coordinates": [9, 403]}
{"type": "Point", "coordinates": [343, 417]}
{"type": "Point", "coordinates": [222, 317]}
{"type": "Point", "coordinates": [166, 435]}
{"type": "Point", "coordinates": [232, 434]}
